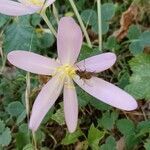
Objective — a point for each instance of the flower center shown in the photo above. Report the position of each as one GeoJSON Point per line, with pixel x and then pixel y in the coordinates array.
{"type": "Point", "coordinates": [66, 70]}
{"type": "Point", "coordinates": [35, 2]}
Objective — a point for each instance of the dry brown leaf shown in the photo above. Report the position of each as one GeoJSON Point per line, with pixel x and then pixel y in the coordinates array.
{"type": "Point", "coordinates": [127, 18]}
{"type": "Point", "coordinates": [81, 145]}
{"type": "Point", "coordinates": [121, 144]}
{"type": "Point", "coordinates": [44, 79]}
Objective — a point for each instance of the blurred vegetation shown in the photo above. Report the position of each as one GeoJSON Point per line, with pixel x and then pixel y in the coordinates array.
{"type": "Point", "coordinates": [99, 126]}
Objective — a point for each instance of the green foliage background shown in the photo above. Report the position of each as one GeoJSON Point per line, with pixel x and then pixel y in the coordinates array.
{"type": "Point", "coordinates": [100, 127]}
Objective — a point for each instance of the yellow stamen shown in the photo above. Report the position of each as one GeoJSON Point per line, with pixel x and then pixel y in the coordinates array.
{"type": "Point", "coordinates": [66, 70]}
{"type": "Point", "coordinates": [35, 2]}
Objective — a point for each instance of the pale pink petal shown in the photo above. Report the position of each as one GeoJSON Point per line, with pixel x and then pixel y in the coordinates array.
{"type": "Point", "coordinates": [49, 2]}
{"type": "Point", "coordinates": [33, 6]}
{"type": "Point", "coordinates": [97, 63]}
{"type": "Point", "coordinates": [44, 101]}
{"type": "Point", "coordinates": [108, 93]}
{"type": "Point", "coordinates": [70, 105]}
{"type": "Point", "coordinates": [69, 40]}
{"type": "Point", "coordinates": [32, 62]}
{"type": "Point", "coordinates": [12, 8]}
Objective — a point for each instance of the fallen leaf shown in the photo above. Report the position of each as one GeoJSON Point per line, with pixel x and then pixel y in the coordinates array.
{"type": "Point", "coordinates": [120, 144]}
{"type": "Point", "coordinates": [128, 17]}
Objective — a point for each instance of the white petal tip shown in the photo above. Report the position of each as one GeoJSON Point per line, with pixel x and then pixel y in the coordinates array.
{"type": "Point", "coordinates": [113, 56]}
{"type": "Point", "coordinates": [9, 56]}
{"type": "Point", "coordinates": [12, 55]}
{"type": "Point", "coordinates": [71, 130]}
{"type": "Point", "coordinates": [32, 127]}
{"type": "Point", "coordinates": [132, 107]}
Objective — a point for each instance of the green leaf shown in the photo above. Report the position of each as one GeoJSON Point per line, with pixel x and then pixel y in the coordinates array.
{"type": "Point", "coordinates": [145, 38]}
{"type": "Point", "coordinates": [94, 136]}
{"type": "Point", "coordinates": [99, 105]}
{"type": "Point", "coordinates": [5, 137]}
{"type": "Point", "coordinates": [125, 126]}
{"type": "Point", "coordinates": [3, 19]}
{"type": "Point", "coordinates": [83, 97]}
{"type": "Point", "coordinates": [24, 128]}
{"type": "Point", "coordinates": [108, 11]}
{"type": "Point", "coordinates": [15, 108]}
{"type": "Point", "coordinates": [40, 136]}
{"type": "Point", "coordinates": [139, 85]}
{"type": "Point", "coordinates": [22, 139]}
{"type": "Point", "coordinates": [133, 32]}
{"type": "Point", "coordinates": [35, 19]}
{"type": "Point", "coordinates": [45, 40]}
{"type": "Point", "coordinates": [18, 36]}
{"type": "Point", "coordinates": [142, 125]}
{"type": "Point", "coordinates": [108, 120]}
{"type": "Point", "coordinates": [28, 147]}
{"type": "Point", "coordinates": [2, 126]}
{"type": "Point", "coordinates": [21, 117]}
{"type": "Point", "coordinates": [89, 16]}
{"type": "Point", "coordinates": [87, 52]}
{"type": "Point", "coordinates": [59, 116]}
{"type": "Point", "coordinates": [138, 40]}
{"type": "Point", "coordinates": [143, 128]}
{"type": "Point", "coordinates": [112, 44]}
{"type": "Point", "coordinates": [123, 79]}
{"type": "Point", "coordinates": [71, 138]}
{"type": "Point", "coordinates": [136, 47]}
{"type": "Point", "coordinates": [110, 144]}
{"type": "Point", "coordinates": [131, 141]}
{"type": "Point", "coordinates": [147, 144]}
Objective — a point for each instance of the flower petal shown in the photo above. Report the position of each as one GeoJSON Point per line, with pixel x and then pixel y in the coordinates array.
{"type": "Point", "coordinates": [45, 101]}
{"type": "Point", "coordinates": [13, 8]}
{"type": "Point", "coordinates": [29, 4]}
{"type": "Point", "coordinates": [107, 93]}
{"type": "Point", "coordinates": [70, 105]}
{"type": "Point", "coordinates": [97, 63]}
{"type": "Point", "coordinates": [32, 62]}
{"type": "Point", "coordinates": [44, 4]}
{"type": "Point", "coordinates": [49, 2]}
{"type": "Point", "coordinates": [69, 40]}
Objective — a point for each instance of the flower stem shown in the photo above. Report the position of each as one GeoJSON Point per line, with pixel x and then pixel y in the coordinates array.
{"type": "Point", "coordinates": [48, 23]}
{"type": "Point", "coordinates": [99, 24]}
{"type": "Point", "coordinates": [4, 59]}
{"type": "Point", "coordinates": [80, 22]}
{"type": "Point", "coordinates": [55, 12]}
{"type": "Point", "coordinates": [27, 93]}
{"type": "Point", "coordinates": [34, 141]}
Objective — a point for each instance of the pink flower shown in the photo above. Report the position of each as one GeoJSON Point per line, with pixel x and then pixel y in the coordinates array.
{"type": "Point", "coordinates": [23, 7]}
{"type": "Point", "coordinates": [69, 41]}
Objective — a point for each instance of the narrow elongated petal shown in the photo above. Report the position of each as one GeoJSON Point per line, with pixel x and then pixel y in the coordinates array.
{"type": "Point", "coordinates": [41, 4]}
{"type": "Point", "coordinates": [97, 63]}
{"type": "Point", "coordinates": [45, 101]}
{"type": "Point", "coordinates": [49, 2]}
{"type": "Point", "coordinates": [30, 4]}
{"type": "Point", "coordinates": [108, 93]}
{"type": "Point", "coordinates": [12, 8]}
{"type": "Point", "coordinates": [69, 40]}
{"type": "Point", "coordinates": [32, 62]}
{"type": "Point", "coordinates": [70, 105]}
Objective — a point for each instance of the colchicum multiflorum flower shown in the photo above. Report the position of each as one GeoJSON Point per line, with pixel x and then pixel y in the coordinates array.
{"type": "Point", "coordinates": [23, 7]}
{"type": "Point", "coordinates": [64, 73]}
